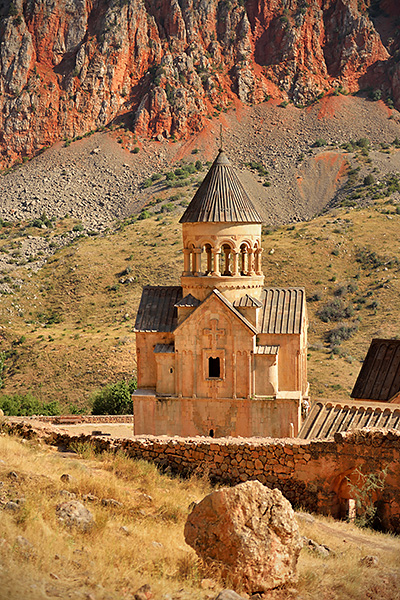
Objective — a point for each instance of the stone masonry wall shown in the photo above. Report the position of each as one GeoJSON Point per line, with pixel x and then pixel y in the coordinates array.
{"type": "Point", "coordinates": [311, 474]}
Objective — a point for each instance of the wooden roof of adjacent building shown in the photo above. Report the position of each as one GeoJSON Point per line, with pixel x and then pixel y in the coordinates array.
{"type": "Point", "coordinates": [379, 378]}
{"type": "Point", "coordinates": [327, 418]}
{"type": "Point", "coordinates": [283, 310]}
{"type": "Point", "coordinates": [157, 311]}
{"type": "Point", "coordinates": [221, 197]}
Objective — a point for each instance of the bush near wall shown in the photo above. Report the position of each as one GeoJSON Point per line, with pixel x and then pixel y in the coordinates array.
{"type": "Point", "coordinates": [114, 399]}
{"type": "Point", "coordinates": [19, 405]}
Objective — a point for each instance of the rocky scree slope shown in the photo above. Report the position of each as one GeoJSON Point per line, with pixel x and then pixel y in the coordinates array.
{"type": "Point", "coordinates": [68, 67]}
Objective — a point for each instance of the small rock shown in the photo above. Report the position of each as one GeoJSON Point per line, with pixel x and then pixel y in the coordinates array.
{"type": "Point", "coordinates": [146, 497]}
{"type": "Point", "coordinates": [54, 576]}
{"type": "Point", "coordinates": [369, 561]}
{"type": "Point", "coordinates": [157, 545]}
{"type": "Point", "coordinates": [111, 502]}
{"type": "Point", "coordinates": [143, 593]}
{"type": "Point", "coordinates": [66, 478]}
{"type": "Point", "coordinates": [11, 506]}
{"type": "Point", "coordinates": [13, 475]}
{"type": "Point", "coordinates": [90, 497]}
{"type": "Point", "coordinates": [228, 595]}
{"type": "Point", "coordinates": [125, 530]}
{"type": "Point", "coordinates": [305, 517]}
{"type": "Point", "coordinates": [320, 549]}
{"type": "Point", "coordinates": [207, 584]}
{"type": "Point", "coordinates": [25, 547]}
{"type": "Point", "coordinates": [67, 494]}
{"type": "Point", "coordinates": [75, 514]}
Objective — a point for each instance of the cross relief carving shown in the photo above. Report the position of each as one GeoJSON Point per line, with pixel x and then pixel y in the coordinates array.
{"type": "Point", "coordinates": [214, 333]}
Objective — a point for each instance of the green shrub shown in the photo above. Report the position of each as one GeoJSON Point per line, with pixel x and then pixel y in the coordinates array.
{"type": "Point", "coordinates": [135, 150]}
{"type": "Point", "coordinates": [375, 95]}
{"type": "Point", "coordinates": [316, 297]}
{"type": "Point", "coordinates": [145, 214]}
{"type": "Point", "coordinates": [335, 311]}
{"type": "Point", "coordinates": [19, 405]}
{"type": "Point", "coordinates": [363, 489]}
{"type": "Point", "coordinates": [114, 399]}
{"type": "Point", "coordinates": [341, 333]}
{"type": "Point", "coordinates": [369, 180]}
{"type": "Point", "coordinates": [319, 143]}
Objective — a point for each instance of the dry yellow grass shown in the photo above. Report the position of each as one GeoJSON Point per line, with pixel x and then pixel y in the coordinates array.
{"type": "Point", "coordinates": [110, 562]}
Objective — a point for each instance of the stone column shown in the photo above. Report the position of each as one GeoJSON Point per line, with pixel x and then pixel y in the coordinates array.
{"type": "Point", "coordinates": [186, 263]}
{"type": "Point", "coordinates": [235, 265]}
{"type": "Point", "coordinates": [250, 263]}
{"type": "Point", "coordinates": [258, 269]}
{"type": "Point", "coordinates": [216, 255]}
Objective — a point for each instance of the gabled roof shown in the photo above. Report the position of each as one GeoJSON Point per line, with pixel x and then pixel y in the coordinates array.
{"type": "Point", "coordinates": [188, 301]}
{"type": "Point", "coordinates": [247, 301]}
{"type": "Point", "coordinates": [221, 197]}
{"type": "Point", "coordinates": [157, 310]}
{"type": "Point", "coordinates": [229, 305]}
{"type": "Point", "coordinates": [379, 378]}
{"type": "Point", "coordinates": [283, 310]}
{"type": "Point", "coordinates": [164, 349]}
{"type": "Point", "coordinates": [327, 418]}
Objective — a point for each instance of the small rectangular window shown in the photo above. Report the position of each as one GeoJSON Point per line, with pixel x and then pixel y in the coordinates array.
{"type": "Point", "coordinates": [214, 367]}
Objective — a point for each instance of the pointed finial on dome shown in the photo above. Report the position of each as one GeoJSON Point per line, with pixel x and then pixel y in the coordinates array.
{"type": "Point", "coordinates": [221, 144]}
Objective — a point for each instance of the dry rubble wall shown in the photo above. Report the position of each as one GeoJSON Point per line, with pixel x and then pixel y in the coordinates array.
{"type": "Point", "coordinates": [311, 474]}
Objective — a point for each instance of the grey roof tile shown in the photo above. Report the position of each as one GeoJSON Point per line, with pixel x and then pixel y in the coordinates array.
{"type": "Point", "coordinates": [221, 197]}
{"type": "Point", "coordinates": [283, 310]}
{"type": "Point", "coordinates": [157, 311]}
{"type": "Point", "coordinates": [266, 350]}
{"type": "Point", "coordinates": [188, 302]}
{"type": "Point", "coordinates": [164, 349]}
{"type": "Point", "coordinates": [247, 301]}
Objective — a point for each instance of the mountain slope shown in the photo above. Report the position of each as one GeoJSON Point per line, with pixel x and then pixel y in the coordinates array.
{"type": "Point", "coordinates": [68, 67]}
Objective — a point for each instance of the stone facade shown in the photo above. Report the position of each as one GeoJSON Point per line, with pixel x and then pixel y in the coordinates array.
{"type": "Point", "coordinates": [221, 354]}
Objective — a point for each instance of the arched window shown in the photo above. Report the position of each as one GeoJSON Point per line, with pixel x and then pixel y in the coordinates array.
{"type": "Point", "coordinates": [214, 367]}
{"type": "Point", "coordinates": [208, 252]}
{"type": "Point", "coordinates": [244, 256]}
{"type": "Point", "coordinates": [227, 252]}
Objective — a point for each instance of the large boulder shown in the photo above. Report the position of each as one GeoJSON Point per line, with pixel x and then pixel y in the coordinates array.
{"type": "Point", "coordinates": [250, 532]}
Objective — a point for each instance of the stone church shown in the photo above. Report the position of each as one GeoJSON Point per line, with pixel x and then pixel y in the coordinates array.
{"type": "Point", "coordinates": [221, 354]}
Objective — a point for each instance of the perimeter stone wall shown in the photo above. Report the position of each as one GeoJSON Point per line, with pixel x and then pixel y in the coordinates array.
{"type": "Point", "coordinates": [311, 474]}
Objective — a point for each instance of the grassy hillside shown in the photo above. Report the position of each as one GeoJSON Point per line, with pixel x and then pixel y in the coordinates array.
{"type": "Point", "coordinates": [140, 540]}
{"type": "Point", "coordinates": [68, 327]}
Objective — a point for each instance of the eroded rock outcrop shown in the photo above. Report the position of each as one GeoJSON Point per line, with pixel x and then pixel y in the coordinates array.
{"type": "Point", "coordinates": [250, 531]}
{"type": "Point", "coordinates": [70, 66]}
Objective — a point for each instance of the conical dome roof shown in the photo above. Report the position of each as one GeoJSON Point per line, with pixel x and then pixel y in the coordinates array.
{"type": "Point", "coordinates": [221, 197]}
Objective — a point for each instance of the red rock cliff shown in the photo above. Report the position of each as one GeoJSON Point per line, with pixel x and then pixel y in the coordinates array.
{"type": "Point", "coordinates": [70, 66]}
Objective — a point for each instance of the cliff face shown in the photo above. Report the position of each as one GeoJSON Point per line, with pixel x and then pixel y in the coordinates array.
{"type": "Point", "coordinates": [71, 66]}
